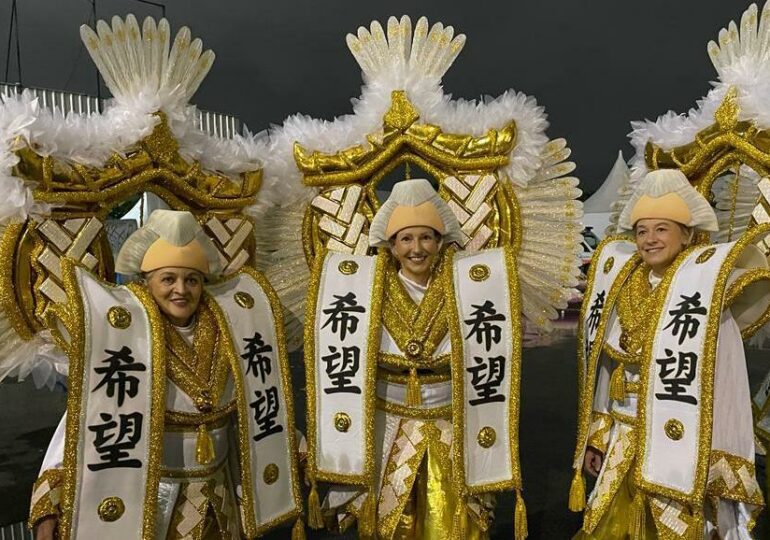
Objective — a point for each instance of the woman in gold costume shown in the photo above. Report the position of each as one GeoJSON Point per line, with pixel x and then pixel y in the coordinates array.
{"type": "Point", "coordinates": [666, 432]}
{"type": "Point", "coordinates": [202, 461]}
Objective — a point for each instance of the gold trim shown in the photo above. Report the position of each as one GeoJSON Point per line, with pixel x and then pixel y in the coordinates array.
{"type": "Point", "coordinates": [608, 264]}
{"type": "Point", "coordinates": [414, 413]}
{"type": "Point", "coordinates": [402, 362]}
{"type": "Point", "coordinates": [403, 378]}
{"type": "Point", "coordinates": [705, 255]}
{"type": "Point", "coordinates": [119, 317]}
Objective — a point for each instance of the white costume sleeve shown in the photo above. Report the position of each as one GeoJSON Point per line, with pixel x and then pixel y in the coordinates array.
{"type": "Point", "coordinates": [54, 456]}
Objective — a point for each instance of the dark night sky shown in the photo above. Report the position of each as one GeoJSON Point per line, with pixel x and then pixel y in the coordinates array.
{"type": "Point", "coordinates": [595, 65]}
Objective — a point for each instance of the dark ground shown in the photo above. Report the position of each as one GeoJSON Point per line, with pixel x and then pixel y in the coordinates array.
{"type": "Point", "coordinates": [29, 417]}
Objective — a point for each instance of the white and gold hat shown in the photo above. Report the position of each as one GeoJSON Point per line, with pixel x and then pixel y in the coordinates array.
{"type": "Point", "coordinates": [169, 238]}
{"type": "Point", "coordinates": [413, 203]}
{"type": "Point", "coordinates": [667, 194]}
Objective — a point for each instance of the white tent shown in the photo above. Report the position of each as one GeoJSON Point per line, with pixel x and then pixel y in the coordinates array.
{"type": "Point", "coordinates": [597, 208]}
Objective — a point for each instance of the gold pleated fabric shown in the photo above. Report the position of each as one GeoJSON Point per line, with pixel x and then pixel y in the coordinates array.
{"type": "Point", "coordinates": [616, 522]}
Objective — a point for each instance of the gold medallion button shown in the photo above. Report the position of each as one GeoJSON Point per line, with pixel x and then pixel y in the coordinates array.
{"type": "Point", "coordinates": [342, 422]}
{"type": "Point", "coordinates": [270, 474]}
{"type": "Point", "coordinates": [674, 429]}
{"type": "Point", "coordinates": [413, 348]}
{"type": "Point", "coordinates": [119, 317]}
{"type": "Point", "coordinates": [608, 264]}
{"type": "Point", "coordinates": [348, 267]}
{"type": "Point", "coordinates": [244, 299]}
{"type": "Point", "coordinates": [705, 255]}
{"type": "Point", "coordinates": [111, 508]}
{"type": "Point", "coordinates": [486, 437]}
{"type": "Point", "coordinates": [479, 272]}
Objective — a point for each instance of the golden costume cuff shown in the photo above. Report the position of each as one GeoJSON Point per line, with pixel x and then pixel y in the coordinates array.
{"type": "Point", "coordinates": [733, 477]}
{"type": "Point", "coordinates": [46, 494]}
{"type": "Point", "coordinates": [599, 432]}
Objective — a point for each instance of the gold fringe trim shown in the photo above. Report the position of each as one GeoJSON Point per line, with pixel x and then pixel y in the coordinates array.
{"type": "Point", "coordinates": [636, 522]}
{"type": "Point", "coordinates": [577, 492]}
{"type": "Point", "coordinates": [298, 531]}
{"type": "Point", "coordinates": [520, 531]}
{"type": "Point", "coordinates": [315, 519]}
{"type": "Point", "coordinates": [698, 526]}
{"type": "Point", "coordinates": [618, 384]}
{"type": "Point", "coordinates": [367, 519]}
{"type": "Point", "coordinates": [204, 446]}
{"type": "Point", "coordinates": [413, 397]}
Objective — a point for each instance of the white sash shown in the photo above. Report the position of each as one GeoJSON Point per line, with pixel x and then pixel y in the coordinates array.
{"type": "Point", "coordinates": [116, 403]}
{"type": "Point", "coordinates": [676, 410]}
{"type": "Point", "coordinates": [610, 259]}
{"type": "Point", "coordinates": [486, 361]}
{"type": "Point", "coordinates": [269, 474]}
{"type": "Point", "coordinates": [341, 345]}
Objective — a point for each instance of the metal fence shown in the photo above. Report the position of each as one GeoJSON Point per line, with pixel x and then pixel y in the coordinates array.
{"type": "Point", "coordinates": [17, 531]}
{"type": "Point", "coordinates": [219, 125]}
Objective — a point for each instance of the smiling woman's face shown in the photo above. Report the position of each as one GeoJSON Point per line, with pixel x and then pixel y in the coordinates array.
{"type": "Point", "coordinates": [659, 241]}
{"type": "Point", "coordinates": [177, 291]}
{"type": "Point", "coordinates": [416, 248]}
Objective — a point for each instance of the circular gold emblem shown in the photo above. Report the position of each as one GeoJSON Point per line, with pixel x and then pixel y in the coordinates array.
{"type": "Point", "coordinates": [111, 508]}
{"type": "Point", "coordinates": [119, 317]}
{"type": "Point", "coordinates": [270, 474]}
{"type": "Point", "coordinates": [674, 429]}
{"type": "Point", "coordinates": [413, 348]}
{"type": "Point", "coordinates": [705, 255]}
{"type": "Point", "coordinates": [486, 437]}
{"type": "Point", "coordinates": [203, 401]}
{"type": "Point", "coordinates": [608, 264]}
{"type": "Point", "coordinates": [479, 272]}
{"type": "Point", "coordinates": [341, 422]}
{"type": "Point", "coordinates": [244, 299]}
{"type": "Point", "coordinates": [348, 267]}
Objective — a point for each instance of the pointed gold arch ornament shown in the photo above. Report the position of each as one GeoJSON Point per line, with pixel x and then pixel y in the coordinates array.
{"type": "Point", "coordinates": [64, 174]}
{"type": "Point", "coordinates": [722, 145]}
{"type": "Point", "coordinates": [506, 182]}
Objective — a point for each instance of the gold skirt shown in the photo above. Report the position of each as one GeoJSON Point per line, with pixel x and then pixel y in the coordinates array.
{"type": "Point", "coordinates": [615, 524]}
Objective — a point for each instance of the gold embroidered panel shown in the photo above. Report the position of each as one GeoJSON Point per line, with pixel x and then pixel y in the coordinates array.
{"type": "Point", "coordinates": [466, 168]}
{"type": "Point", "coordinates": [82, 197]}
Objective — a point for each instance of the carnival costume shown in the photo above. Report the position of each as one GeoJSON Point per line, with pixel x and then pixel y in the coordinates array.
{"type": "Point", "coordinates": [414, 402]}
{"type": "Point", "coordinates": [664, 393]}
{"type": "Point", "coordinates": [169, 432]}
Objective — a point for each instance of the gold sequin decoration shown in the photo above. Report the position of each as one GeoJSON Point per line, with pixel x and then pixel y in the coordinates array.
{"type": "Point", "coordinates": [705, 255]}
{"type": "Point", "coordinates": [413, 348]}
{"type": "Point", "coordinates": [244, 300]}
{"type": "Point", "coordinates": [608, 264]}
{"type": "Point", "coordinates": [342, 422]}
{"type": "Point", "coordinates": [111, 509]}
{"type": "Point", "coordinates": [119, 317]}
{"type": "Point", "coordinates": [348, 267]}
{"type": "Point", "coordinates": [486, 437]}
{"type": "Point", "coordinates": [674, 429]}
{"type": "Point", "coordinates": [270, 474]}
{"type": "Point", "coordinates": [479, 272]}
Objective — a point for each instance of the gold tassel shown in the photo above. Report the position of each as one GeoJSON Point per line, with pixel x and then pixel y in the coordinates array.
{"type": "Point", "coordinates": [367, 519]}
{"type": "Point", "coordinates": [637, 518]}
{"type": "Point", "coordinates": [617, 384]}
{"type": "Point", "coordinates": [577, 492]}
{"type": "Point", "coordinates": [315, 518]}
{"type": "Point", "coordinates": [413, 397]}
{"type": "Point", "coordinates": [298, 531]}
{"type": "Point", "coordinates": [520, 518]}
{"type": "Point", "coordinates": [204, 446]}
{"type": "Point", "coordinates": [460, 521]}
